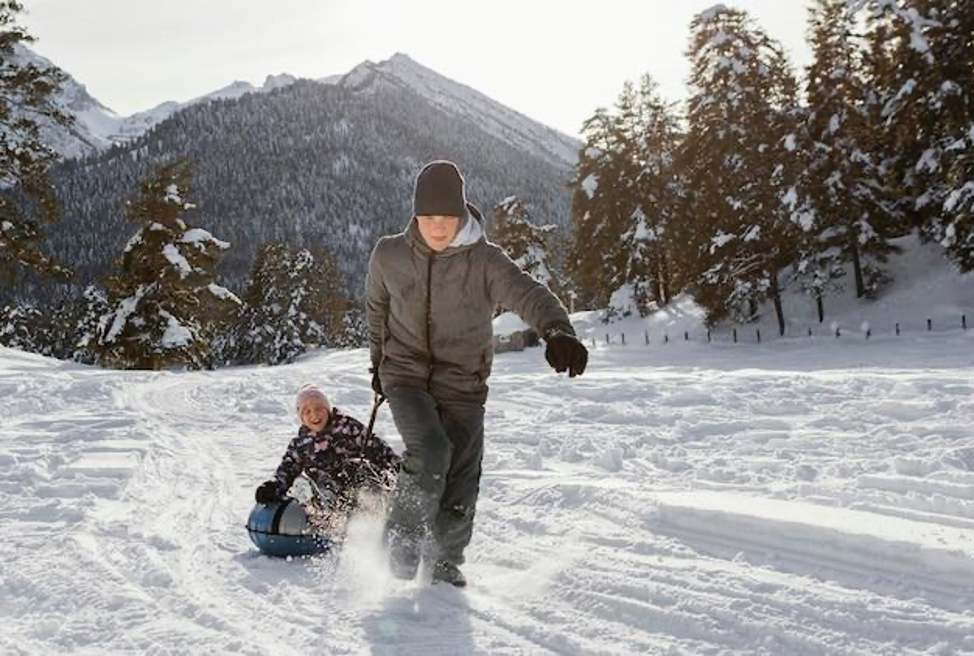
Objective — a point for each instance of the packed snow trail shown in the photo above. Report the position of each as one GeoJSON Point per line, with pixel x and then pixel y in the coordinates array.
{"type": "Point", "coordinates": [802, 497]}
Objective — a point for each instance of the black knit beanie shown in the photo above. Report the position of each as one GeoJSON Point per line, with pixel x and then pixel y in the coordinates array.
{"type": "Point", "coordinates": [439, 191]}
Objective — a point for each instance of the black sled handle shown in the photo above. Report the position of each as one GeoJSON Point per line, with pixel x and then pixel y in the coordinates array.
{"type": "Point", "coordinates": [376, 404]}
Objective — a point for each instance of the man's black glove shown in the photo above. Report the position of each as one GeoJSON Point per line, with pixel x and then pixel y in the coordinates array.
{"type": "Point", "coordinates": [376, 383]}
{"type": "Point", "coordinates": [267, 493]}
{"type": "Point", "coordinates": [565, 353]}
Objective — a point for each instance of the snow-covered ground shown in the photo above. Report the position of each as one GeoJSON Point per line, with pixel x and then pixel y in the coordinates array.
{"type": "Point", "coordinates": [924, 287]}
{"type": "Point", "coordinates": [795, 497]}
{"type": "Point", "coordinates": [798, 496]}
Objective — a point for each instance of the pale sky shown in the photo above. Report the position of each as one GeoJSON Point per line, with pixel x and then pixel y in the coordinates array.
{"type": "Point", "coordinates": [555, 61]}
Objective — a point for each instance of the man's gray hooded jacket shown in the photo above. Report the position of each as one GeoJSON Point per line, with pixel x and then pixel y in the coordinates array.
{"type": "Point", "coordinates": [429, 313]}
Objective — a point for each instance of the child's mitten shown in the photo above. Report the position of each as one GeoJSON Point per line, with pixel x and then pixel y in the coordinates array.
{"type": "Point", "coordinates": [267, 492]}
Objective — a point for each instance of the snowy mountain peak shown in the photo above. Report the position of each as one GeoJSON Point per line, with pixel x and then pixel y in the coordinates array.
{"type": "Point", "coordinates": [360, 76]}
{"type": "Point", "coordinates": [280, 81]}
{"type": "Point", "coordinates": [235, 89]}
{"type": "Point", "coordinates": [402, 57]}
{"type": "Point", "coordinates": [92, 117]}
{"type": "Point", "coordinates": [98, 127]}
{"type": "Point", "coordinates": [465, 103]}
{"type": "Point", "coordinates": [402, 61]}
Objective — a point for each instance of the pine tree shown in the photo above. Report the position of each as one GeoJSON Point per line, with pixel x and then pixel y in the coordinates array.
{"type": "Point", "coordinates": [27, 199]}
{"type": "Point", "coordinates": [657, 191]}
{"type": "Point", "coordinates": [920, 60]}
{"type": "Point", "coordinates": [24, 326]}
{"type": "Point", "coordinates": [164, 298]}
{"type": "Point", "coordinates": [94, 305]}
{"type": "Point", "coordinates": [954, 226]}
{"type": "Point", "coordinates": [847, 214]}
{"type": "Point", "coordinates": [53, 329]}
{"type": "Point", "coordinates": [355, 330]}
{"type": "Point", "coordinates": [625, 191]}
{"type": "Point", "coordinates": [525, 242]}
{"type": "Point", "coordinates": [599, 215]}
{"type": "Point", "coordinates": [634, 289]}
{"type": "Point", "coordinates": [852, 214]}
{"type": "Point", "coordinates": [294, 301]}
{"type": "Point", "coordinates": [326, 300]}
{"type": "Point", "coordinates": [735, 165]}
{"type": "Point", "coordinates": [60, 332]}
{"type": "Point", "coordinates": [951, 108]}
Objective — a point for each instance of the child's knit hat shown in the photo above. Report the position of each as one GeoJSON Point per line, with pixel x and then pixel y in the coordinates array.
{"type": "Point", "coordinates": [308, 392]}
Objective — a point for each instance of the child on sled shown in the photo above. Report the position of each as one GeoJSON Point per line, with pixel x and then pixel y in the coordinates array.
{"type": "Point", "coordinates": [348, 467]}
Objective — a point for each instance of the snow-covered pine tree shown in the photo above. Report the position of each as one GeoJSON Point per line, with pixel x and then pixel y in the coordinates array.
{"type": "Point", "coordinates": [599, 215]}
{"type": "Point", "coordinates": [27, 198]}
{"type": "Point", "coordinates": [164, 299]}
{"type": "Point", "coordinates": [780, 234]}
{"type": "Point", "coordinates": [842, 205]}
{"type": "Point", "coordinates": [738, 124]}
{"type": "Point", "coordinates": [921, 58]}
{"type": "Point", "coordinates": [625, 193]}
{"type": "Point", "coordinates": [60, 330]}
{"type": "Point", "coordinates": [657, 190]}
{"type": "Point", "coordinates": [853, 213]}
{"type": "Point", "coordinates": [954, 224]}
{"type": "Point", "coordinates": [525, 242]}
{"type": "Point", "coordinates": [355, 331]}
{"type": "Point", "coordinates": [953, 48]}
{"type": "Point", "coordinates": [817, 270]}
{"type": "Point", "coordinates": [260, 331]}
{"type": "Point", "coordinates": [326, 301]}
{"type": "Point", "coordinates": [294, 301]}
{"type": "Point", "coordinates": [53, 329]}
{"type": "Point", "coordinates": [24, 327]}
{"type": "Point", "coordinates": [93, 306]}
{"type": "Point", "coordinates": [896, 64]}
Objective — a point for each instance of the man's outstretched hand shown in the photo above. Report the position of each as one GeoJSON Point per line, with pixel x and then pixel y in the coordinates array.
{"type": "Point", "coordinates": [565, 353]}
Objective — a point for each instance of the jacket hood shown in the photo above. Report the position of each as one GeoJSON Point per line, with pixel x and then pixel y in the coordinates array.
{"type": "Point", "coordinates": [471, 233]}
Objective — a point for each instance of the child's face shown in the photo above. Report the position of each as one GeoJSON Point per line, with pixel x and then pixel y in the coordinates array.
{"type": "Point", "coordinates": [438, 231]}
{"type": "Point", "coordinates": [314, 414]}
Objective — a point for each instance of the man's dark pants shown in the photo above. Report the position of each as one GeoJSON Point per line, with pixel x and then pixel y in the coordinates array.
{"type": "Point", "coordinates": [436, 494]}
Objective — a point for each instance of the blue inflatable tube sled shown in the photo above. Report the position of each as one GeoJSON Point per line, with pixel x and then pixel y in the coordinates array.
{"type": "Point", "coordinates": [282, 529]}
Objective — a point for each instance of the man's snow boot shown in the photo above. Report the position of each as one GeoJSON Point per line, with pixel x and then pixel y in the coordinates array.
{"type": "Point", "coordinates": [448, 573]}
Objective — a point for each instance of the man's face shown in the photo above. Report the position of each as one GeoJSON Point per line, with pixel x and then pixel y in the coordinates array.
{"type": "Point", "coordinates": [438, 231]}
{"type": "Point", "coordinates": [314, 414]}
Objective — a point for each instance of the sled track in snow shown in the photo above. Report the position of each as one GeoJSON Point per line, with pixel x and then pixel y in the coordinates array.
{"type": "Point", "coordinates": [714, 591]}
{"type": "Point", "coordinates": [691, 595]}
